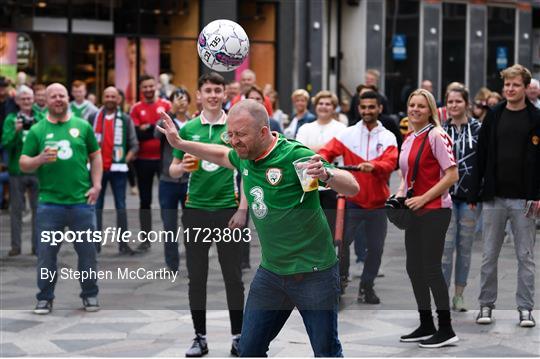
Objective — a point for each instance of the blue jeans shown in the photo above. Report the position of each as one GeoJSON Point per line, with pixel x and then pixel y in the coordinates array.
{"type": "Point", "coordinates": [118, 185]}
{"type": "Point", "coordinates": [4, 178]}
{"type": "Point", "coordinates": [360, 248]}
{"type": "Point", "coordinates": [271, 300]}
{"type": "Point", "coordinates": [55, 217]}
{"type": "Point", "coordinates": [374, 230]}
{"type": "Point", "coordinates": [460, 236]}
{"type": "Point", "coordinates": [171, 194]}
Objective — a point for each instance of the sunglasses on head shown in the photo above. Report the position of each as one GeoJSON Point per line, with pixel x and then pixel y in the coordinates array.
{"type": "Point", "coordinates": [179, 94]}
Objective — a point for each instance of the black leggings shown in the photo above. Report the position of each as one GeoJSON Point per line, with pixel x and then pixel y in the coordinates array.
{"type": "Point", "coordinates": [146, 170]}
{"type": "Point", "coordinates": [230, 258]}
{"type": "Point", "coordinates": [424, 244]}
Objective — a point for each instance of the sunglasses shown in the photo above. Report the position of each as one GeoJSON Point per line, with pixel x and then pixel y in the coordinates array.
{"type": "Point", "coordinates": [179, 94]}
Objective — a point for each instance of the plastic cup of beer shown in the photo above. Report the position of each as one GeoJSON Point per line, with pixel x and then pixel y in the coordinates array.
{"type": "Point", "coordinates": [308, 183]}
{"type": "Point", "coordinates": [52, 148]}
{"type": "Point", "coordinates": [194, 165]}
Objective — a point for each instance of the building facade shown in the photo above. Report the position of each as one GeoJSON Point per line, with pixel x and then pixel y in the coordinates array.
{"type": "Point", "coordinates": [312, 44]}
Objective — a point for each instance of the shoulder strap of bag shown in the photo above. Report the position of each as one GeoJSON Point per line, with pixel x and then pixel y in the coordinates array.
{"type": "Point", "coordinates": [417, 163]}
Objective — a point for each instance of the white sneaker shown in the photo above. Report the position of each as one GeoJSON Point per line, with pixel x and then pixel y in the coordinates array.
{"type": "Point", "coordinates": [199, 347]}
{"type": "Point", "coordinates": [485, 315]}
{"type": "Point", "coordinates": [356, 269]}
{"type": "Point", "coordinates": [526, 319]}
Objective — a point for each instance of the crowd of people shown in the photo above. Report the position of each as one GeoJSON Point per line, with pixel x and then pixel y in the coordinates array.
{"type": "Point", "coordinates": [469, 168]}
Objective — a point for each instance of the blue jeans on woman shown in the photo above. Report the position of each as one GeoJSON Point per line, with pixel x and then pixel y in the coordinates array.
{"type": "Point", "coordinates": [273, 297]}
{"type": "Point", "coordinates": [460, 236]}
{"type": "Point", "coordinates": [171, 195]}
{"type": "Point", "coordinates": [55, 217]}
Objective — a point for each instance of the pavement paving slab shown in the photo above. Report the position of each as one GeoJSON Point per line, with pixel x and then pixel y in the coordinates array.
{"type": "Point", "coordinates": [145, 318]}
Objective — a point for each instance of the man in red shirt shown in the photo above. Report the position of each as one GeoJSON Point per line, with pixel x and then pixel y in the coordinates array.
{"type": "Point", "coordinates": [116, 136]}
{"type": "Point", "coordinates": [145, 114]}
{"type": "Point", "coordinates": [373, 149]}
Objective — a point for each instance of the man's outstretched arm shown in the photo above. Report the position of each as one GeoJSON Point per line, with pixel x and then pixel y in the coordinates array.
{"type": "Point", "coordinates": [217, 154]}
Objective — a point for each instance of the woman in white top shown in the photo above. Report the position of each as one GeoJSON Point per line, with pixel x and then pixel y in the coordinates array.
{"type": "Point", "coordinates": [316, 134]}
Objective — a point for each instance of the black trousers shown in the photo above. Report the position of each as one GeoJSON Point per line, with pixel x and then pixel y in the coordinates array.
{"type": "Point", "coordinates": [230, 259]}
{"type": "Point", "coordinates": [424, 245]}
{"type": "Point", "coordinates": [146, 170]}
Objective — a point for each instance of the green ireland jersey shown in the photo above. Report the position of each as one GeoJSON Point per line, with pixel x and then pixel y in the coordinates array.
{"type": "Point", "coordinates": [66, 180]}
{"type": "Point", "coordinates": [41, 112]}
{"type": "Point", "coordinates": [211, 186]}
{"type": "Point", "coordinates": [78, 110]}
{"type": "Point", "coordinates": [13, 140]}
{"type": "Point", "coordinates": [294, 233]}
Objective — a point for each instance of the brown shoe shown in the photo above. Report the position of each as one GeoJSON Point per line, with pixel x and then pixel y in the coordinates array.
{"type": "Point", "coordinates": [14, 252]}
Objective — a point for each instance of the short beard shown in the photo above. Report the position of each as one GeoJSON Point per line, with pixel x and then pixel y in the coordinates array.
{"type": "Point", "coordinates": [110, 108]}
{"type": "Point", "coordinates": [59, 115]}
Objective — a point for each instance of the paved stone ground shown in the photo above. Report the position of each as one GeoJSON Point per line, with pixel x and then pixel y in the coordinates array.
{"type": "Point", "coordinates": [150, 318]}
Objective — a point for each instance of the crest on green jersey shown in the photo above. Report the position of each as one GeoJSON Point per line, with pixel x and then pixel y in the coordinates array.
{"type": "Point", "coordinates": [225, 137]}
{"type": "Point", "coordinates": [274, 176]}
{"type": "Point", "coordinates": [74, 132]}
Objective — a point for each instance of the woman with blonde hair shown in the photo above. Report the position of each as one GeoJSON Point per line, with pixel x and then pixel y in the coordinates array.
{"type": "Point", "coordinates": [480, 105]}
{"type": "Point", "coordinates": [493, 99]}
{"type": "Point", "coordinates": [429, 149]}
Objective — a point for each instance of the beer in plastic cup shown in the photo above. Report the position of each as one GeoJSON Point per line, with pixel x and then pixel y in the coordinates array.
{"type": "Point", "coordinates": [195, 164]}
{"type": "Point", "coordinates": [52, 148]}
{"type": "Point", "coordinates": [308, 183]}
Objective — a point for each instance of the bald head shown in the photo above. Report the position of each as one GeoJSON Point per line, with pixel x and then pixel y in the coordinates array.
{"type": "Point", "coordinates": [427, 85]}
{"type": "Point", "coordinates": [247, 79]}
{"type": "Point", "coordinates": [110, 98]}
{"type": "Point", "coordinates": [57, 100]}
{"type": "Point", "coordinates": [110, 89]}
{"type": "Point", "coordinates": [56, 87]}
{"type": "Point", "coordinates": [248, 129]}
{"type": "Point", "coordinates": [255, 110]}
{"type": "Point", "coordinates": [533, 90]}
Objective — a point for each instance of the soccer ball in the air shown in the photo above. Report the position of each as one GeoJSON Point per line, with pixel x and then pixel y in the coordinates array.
{"type": "Point", "coordinates": [223, 45]}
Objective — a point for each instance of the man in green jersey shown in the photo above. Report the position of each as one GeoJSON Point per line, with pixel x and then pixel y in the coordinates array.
{"type": "Point", "coordinates": [16, 127]}
{"type": "Point", "coordinates": [58, 149]}
{"type": "Point", "coordinates": [80, 106]}
{"type": "Point", "coordinates": [211, 204]}
{"type": "Point", "coordinates": [299, 264]}
{"type": "Point", "coordinates": [40, 101]}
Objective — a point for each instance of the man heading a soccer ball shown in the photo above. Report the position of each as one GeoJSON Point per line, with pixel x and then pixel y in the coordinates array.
{"type": "Point", "coordinates": [299, 264]}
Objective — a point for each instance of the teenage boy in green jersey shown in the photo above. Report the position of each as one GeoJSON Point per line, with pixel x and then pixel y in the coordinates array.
{"type": "Point", "coordinates": [80, 106]}
{"type": "Point", "coordinates": [40, 101]}
{"type": "Point", "coordinates": [212, 203]}
{"type": "Point", "coordinates": [299, 264]}
{"type": "Point", "coordinates": [16, 127]}
{"type": "Point", "coordinates": [58, 149]}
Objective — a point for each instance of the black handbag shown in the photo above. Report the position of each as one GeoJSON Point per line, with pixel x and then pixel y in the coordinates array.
{"type": "Point", "coordinates": [396, 210]}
